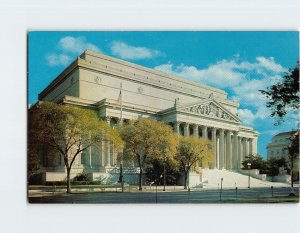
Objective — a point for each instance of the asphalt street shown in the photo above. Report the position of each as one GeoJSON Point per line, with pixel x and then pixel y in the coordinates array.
{"type": "Point", "coordinates": [194, 196]}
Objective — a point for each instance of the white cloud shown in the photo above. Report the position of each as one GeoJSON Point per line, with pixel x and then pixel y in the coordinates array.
{"type": "Point", "coordinates": [57, 59]}
{"type": "Point", "coordinates": [68, 47]}
{"type": "Point", "coordinates": [76, 44]}
{"type": "Point", "coordinates": [247, 116]}
{"type": "Point", "coordinates": [221, 74]}
{"type": "Point", "coordinates": [125, 51]}
{"type": "Point", "coordinates": [270, 64]}
{"type": "Point", "coordinates": [244, 79]}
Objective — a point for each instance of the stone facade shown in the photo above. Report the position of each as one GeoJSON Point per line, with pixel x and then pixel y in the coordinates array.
{"type": "Point", "coordinates": [95, 80]}
{"type": "Point", "coordinates": [279, 144]}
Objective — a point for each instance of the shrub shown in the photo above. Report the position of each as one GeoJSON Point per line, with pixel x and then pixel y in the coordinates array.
{"type": "Point", "coordinates": [81, 177]}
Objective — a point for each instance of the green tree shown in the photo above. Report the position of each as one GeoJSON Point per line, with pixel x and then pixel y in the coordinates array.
{"type": "Point", "coordinates": [145, 140]}
{"type": "Point", "coordinates": [68, 131]}
{"type": "Point", "coordinates": [193, 150]}
{"type": "Point", "coordinates": [257, 162]}
{"type": "Point", "coordinates": [155, 171]}
{"type": "Point", "coordinates": [283, 96]}
{"type": "Point", "coordinates": [273, 165]}
{"type": "Point", "coordinates": [33, 163]}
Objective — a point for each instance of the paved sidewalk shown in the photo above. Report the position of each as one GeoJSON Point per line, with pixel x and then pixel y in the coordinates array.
{"type": "Point", "coordinates": [150, 196]}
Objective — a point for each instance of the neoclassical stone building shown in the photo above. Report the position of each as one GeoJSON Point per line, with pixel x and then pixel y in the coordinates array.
{"type": "Point", "coordinates": [278, 147]}
{"type": "Point", "coordinates": [95, 80]}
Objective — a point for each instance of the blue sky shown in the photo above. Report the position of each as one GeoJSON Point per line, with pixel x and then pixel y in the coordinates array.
{"type": "Point", "coordinates": [240, 63]}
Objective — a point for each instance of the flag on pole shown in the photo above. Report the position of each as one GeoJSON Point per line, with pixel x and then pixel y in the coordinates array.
{"type": "Point", "coordinates": [121, 105]}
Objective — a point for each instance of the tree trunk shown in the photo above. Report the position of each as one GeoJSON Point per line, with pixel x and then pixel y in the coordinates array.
{"type": "Point", "coordinates": [68, 181]}
{"type": "Point", "coordinates": [292, 172]}
{"type": "Point", "coordinates": [140, 179]}
{"type": "Point", "coordinates": [185, 179]}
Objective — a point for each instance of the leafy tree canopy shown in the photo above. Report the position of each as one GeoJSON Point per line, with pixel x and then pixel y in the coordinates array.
{"type": "Point", "coordinates": [148, 139]}
{"type": "Point", "coordinates": [193, 150]}
{"type": "Point", "coordinates": [68, 131]}
{"type": "Point", "coordinates": [257, 162]}
{"type": "Point", "coordinates": [284, 96]}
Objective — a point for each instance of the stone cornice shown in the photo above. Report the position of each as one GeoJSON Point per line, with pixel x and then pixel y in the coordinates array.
{"type": "Point", "coordinates": [109, 103]}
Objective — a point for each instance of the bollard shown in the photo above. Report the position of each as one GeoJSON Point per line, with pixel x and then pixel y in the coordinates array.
{"type": "Point", "coordinates": [221, 189]}
{"type": "Point", "coordinates": [272, 191]}
{"type": "Point", "coordinates": [236, 192]}
{"type": "Point", "coordinates": [156, 195]}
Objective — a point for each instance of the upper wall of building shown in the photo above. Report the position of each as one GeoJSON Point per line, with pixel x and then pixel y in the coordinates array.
{"type": "Point", "coordinates": [66, 84]}
{"type": "Point", "coordinates": [98, 76]}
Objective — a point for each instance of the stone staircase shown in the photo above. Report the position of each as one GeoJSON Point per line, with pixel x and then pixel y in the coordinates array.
{"type": "Point", "coordinates": [211, 178]}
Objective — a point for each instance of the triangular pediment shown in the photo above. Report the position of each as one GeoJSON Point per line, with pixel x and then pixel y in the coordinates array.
{"type": "Point", "coordinates": [209, 108]}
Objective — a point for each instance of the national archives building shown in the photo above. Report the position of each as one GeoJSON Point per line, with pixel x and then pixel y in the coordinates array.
{"type": "Point", "coordinates": [95, 80]}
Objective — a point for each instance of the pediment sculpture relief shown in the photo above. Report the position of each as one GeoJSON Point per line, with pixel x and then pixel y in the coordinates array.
{"type": "Point", "coordinates": [210, 109]}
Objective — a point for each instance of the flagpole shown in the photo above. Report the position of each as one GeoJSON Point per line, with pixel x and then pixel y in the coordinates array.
{"type": "Point", "coordinates": [121, 105]}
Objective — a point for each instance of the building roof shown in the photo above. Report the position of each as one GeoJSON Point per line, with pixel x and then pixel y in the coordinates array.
{"type": "Point", "coordinates": [285, 133]}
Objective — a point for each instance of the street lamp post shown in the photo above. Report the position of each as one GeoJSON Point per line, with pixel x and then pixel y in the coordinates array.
{"type": "Point", "coordinates": [121, 178]}
{"type": "Point", "coordinates": [221, 189]}
{"type": "Point", "coordinates": [164, 177]}
{"type": "Point", "coordinates": [249, 167]}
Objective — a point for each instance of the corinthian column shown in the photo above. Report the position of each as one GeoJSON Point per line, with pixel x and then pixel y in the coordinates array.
{"type": "Point", "coordinates": [102, 153]}
{"type": "Point", "coordinates": [221, 157]}
{"type": "Point", "coordinates": [228, 149]}
{"type": "Point", "coordinates": [107, 153]}
{"type": "Point", "coordinates": [251, 146]}
{"type": "Point", "coordinates": [244, 148]}
{"type": "Point", "coordinates": [176, 127]}
{"type": "Point", "coordinates": [195, 130]}
{"type": "Point", "coordinates": [204, 132]}
{"type": "Point", "coordinates": [247, 146]}
{"type": "Point", "coordinates": [235, 150]}
{"type": "Point", "coordinates": [107, 147]}
{"type": "Point", "coordinates": [187, 129]}
{"type": "Point", "coordinates": [240, 154]}
{"type": "Point", "coordinates": [255, 146]}
{"type": "Point", "coordinates": [89, 157]}
{"type": "Point", "coordinates": [214, 140]}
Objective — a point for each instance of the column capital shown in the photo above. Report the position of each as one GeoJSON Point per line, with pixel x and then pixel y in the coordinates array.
{"type": "Point", "coordinates": [107, 118]}
{"type": "Point", "coordinates": [235, 133]}
{"type": "Point", "coordinates": [221, 131]}
{"type": "Point", "coordinates": [228, 131]}
{"type": "Point", "coordinates": [186, 129]}
{"type": "Point", "coordinates": [214, 129]}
